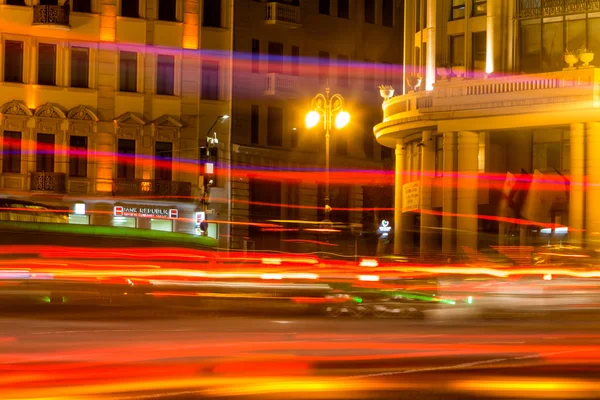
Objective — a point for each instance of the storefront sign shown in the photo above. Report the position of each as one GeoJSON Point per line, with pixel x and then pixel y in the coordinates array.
{"type": "Point", "coordinates": [385, 226]}
{"type": "Point", "coordinates": [146, 212]}
{"type": "Point", "coordinates": [410, 196]}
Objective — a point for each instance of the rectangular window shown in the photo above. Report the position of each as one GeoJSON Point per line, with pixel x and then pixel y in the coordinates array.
{"type": "Point", "coordinates": [16, 2]}
{"type": "Point", "coordinates": [167, 10]}
{"type": "Point", "coordinates": [254, 124]}
{"type": "Point", "coordinates": [78, 156]}
{"type": "Point", "coordinates": [126, 159]}
{"type": "Point", "coordinates": [344, 9]}
{"type": "Point", "coordinates": [47, 64]}
{"type": "Point", "coordinates": [128, 71]}
{"type": "Point", "coordinates": [369, 75]}
{"type": "Point", "coordinates": [387, 13]}
{"type": "Point", "coordinates": [210, 80]}
{"type": "Point", "coordinates": [130, 8]}
{"type": "Point", "coordinates": [342, 71]}
{"type": "Point", "coordinates": [551, 150]}
{"type": "Point", "coordinates": [275, 126]}
{"type": "Point", "coordinates": [530, 48]}
{"type": "Point", "coordinates": [80, 67]}
{"type": "Point", "coordinates": [479, 51]}
{"type": "Point", "coordinates": [324, 7]}
{"type": "Point", "coordinates": [84, 6]}
{"type": "Point", "coordinates": [458, 9]}
{"type": "Point", "coordinates": [323, 66]}
{"type": "Point", "coordinates": [255, 56]}
{"type": "Point", "coordinates": [13, 61]}
{"type": "Point", "coordinates": [370, 11]}
{"type": "Point", "coordinates": [44, 152]}
{"type": "Point", "coordinates": [439, 155]}
{"type": "Point", "coordinates": [457, 50]}
{"type": "Point", "coordinates": [295, 60]}
{"type": "Point", "coordinates": [552, 47]}
{"type": "Point", "coordinates": [11, 154]}
{"type": "Point", "coordinates": [479, 7]}
{"type": "Point", "coordinates": [211, 13]}
{"type": "Point", "coordinates": [275, 57]}
{"type": "Point", "coordinates": [163, 168]}
{"type": "Point", "coordinates": [165, 75]}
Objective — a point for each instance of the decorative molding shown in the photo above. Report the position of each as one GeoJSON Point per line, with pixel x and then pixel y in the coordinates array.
{"type": "Point", "coordinates": [49, 111]}
{"type": "Point", "coordinates": [129, 118]}
{"type": "Point", "coordinates": [15, 107]}
{"type": "Point", "coordinates": [166, 121]}
{"type": "Point", "coordinates": [82, 113]}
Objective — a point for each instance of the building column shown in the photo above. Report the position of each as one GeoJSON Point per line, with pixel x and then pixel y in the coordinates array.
{"type": "Point", "coordinates": [467, 190]}
{"type": "Point", "coordinates": [592, 188]}
{"type": "Point", "coordinates": [494, 37]}
{"type": "Point", "coordinates": [431, 45]}
{"type": "Point", "coordinates": [398, 182]}
{"type": "Point", "coordinates": [428, 220]}
{"type": "Point", "coordinates": [409, 40]}
{"type": "Point", "coordinates": [449, 194]}
{"type": "Point", "coordinates": [577, 190]}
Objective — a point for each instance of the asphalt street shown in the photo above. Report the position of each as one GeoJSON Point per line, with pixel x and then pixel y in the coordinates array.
{"type": "Point", "coordinates": [188, 357]}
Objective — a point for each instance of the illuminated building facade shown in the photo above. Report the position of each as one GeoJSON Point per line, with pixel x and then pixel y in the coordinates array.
{"type": "Point", "coordinates": [506, 87]}
{"type": "Point", "coordinates": [292, 50]}
{"type": "Point", "coordinates": [100, 99]}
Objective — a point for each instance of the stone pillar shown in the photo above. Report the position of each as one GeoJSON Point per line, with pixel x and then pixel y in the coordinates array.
{"type": "Point", "coordinates": [428, 220]}
{"type": "Point", "coordinates": [494, 42]}
{"type": "Point", "coordinates": [467, 189]}
{"type": "Point", "coordinates": [592, 189]}
{"type": "Point", "coordinates": [449, 194]}
{"type": "Point", "coordinates": [398, 182]}
{"type": "Point", "coordinates": [409, 40]}
{"type": "Point", "coordinates": [577, 190]}
{"type": "Point", "coordinates": [431, 45]}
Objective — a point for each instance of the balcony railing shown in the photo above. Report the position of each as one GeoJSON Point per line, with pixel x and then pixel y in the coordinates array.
{"type": "Point", "coordinates": [284, 14]}
{"type": "Point", "coordinates": [152, 188]}
{"type": "Point", "coordinates": [55, 16]}
{"type": "Point", "coordinates": [49, 182]}
{"type": "Point", "coordinates": [280, 84]}
{"type": "Point", "coordinates": [410, 104]}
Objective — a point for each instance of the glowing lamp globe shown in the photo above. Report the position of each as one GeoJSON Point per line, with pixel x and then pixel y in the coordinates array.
{"type": "Point", "coordinates": [342, 119]}
{"type": "Point", "coordinates": [312, 119]}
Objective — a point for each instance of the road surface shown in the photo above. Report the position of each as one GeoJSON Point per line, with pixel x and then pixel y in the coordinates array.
{"type": "Point", "coordinates": [193, 357]}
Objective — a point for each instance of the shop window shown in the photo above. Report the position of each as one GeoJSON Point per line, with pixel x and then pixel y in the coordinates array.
{"type": "Point", "coordinates": [551, 151]}
{"type": "Point", "coordinates": [210, 80]}
{"type": "Point", "coordinates": [167, 9]}
{"type": "Point", "coordinates": [78, 148]}
{"type": "Point", "coordinates": [275, 126]}
{"type": "Point", "coordinates": [13, 61]}
{"type": "Point", "coordinates": [295, 60]}
{"type": "Point", "coordinates": [84, 6]}
{"type": "Point", "coordinates": [458, 9]}
{"type": "Point", "coordinates": [324, 7]}
{"type": "Point", "coordinates": [130, 8]}
{"type": "Point", "coordinates": [128, 71]}
{"type": "Point", "coordinates": [125, 222]}
{"type": "Point", "coordinates": [80, 67]}
{"type": "Point", "coordinates": [342, 71]}
{"type": "Point", "coordinates": [387, 13]}
{"type": "Point", "coordinates": [254, 124]}
{"type": "Point", "coordinates": [479, 7]}
{"type": "Point", "coordinates": [479, 51]}
{"type": "Point", "coordinates": [47, 64]}
{"type": "Point", "coordinates": [370, 11]}
{"type": "Point", "coordinates": [163, 169]}
{"type": "Point", "coordinates": [126, 159]}
{"type": "Point", "coordinates": [165, 76]}
{"type": "Point", "coordinates": [255, 55]}
{"type": "Point", "coordinates": [323, 67]}
{"type": "Point", "coordinates": [11, 154]}
{"type": "Point", "coordinates": [165, 225]}
{"type": "Point", "coordinates": [211, 13]}
{"type": "Point", "coordinates": [344, 9]}
{"type": "Point", "coordinates": [44, 152]}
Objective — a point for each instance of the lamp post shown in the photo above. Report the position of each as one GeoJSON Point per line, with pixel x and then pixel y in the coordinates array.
{"type": "Point", "coordinates": [326, 106]}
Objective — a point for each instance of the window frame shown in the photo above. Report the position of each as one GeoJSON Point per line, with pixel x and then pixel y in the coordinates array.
{"type": "Point", "coordinates": [164, 17]}
{"type": "Point", "coordinates": [84, 7]}
{"type": "Point", "coordinates": [125, 169]}
{"type": "Point", "coordinates": [210, 86]}
{"type": "Point", "coordinates": [163, 173]}
{"type": "Point", "coordinates": [165, 85]}
{"type": "Point", "coordinates": [80, 50]}
{"type": "Point", "coordinates": [123, 62]}
{"type": "Point", "coordinates": [53, 65]}
{"type": "Point", "coordinates": [218, 22]}
{"type": "Point", "coordinates": [387, 16]}
{"type": "Point", "coordinates": [44, 158]}
{"type": "Point", "coordinates": [21, 59]}
{"type": "Point", "coordinates": [346, 9]}
{"type": "Point", "coordinates": [474, 12]}
{"type": "Point", "coordinates": [78, 163]}
{"type": "Point", "coordinates": [454, 8]}
{"type": "Point", "coordinates": [275, 133]}
{"type": "Point", "coordinates": [372, 13]}
{"type": "Point", "coordinates": [255, 56]}
{"type": "Point", "coordinates": [11, 162]}
{"type": "Point", "coordinates": [324, 4]}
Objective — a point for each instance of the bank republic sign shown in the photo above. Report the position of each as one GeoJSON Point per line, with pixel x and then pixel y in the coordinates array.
{"type": "Point", "coordinates": [146, 212]}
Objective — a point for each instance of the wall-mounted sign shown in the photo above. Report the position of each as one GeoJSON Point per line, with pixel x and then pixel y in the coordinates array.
{"type": "Point", "coordinates": [146, 212]}
{"type": "Point", "coordinates": [410, 196]}
{"type": "Point", "coordinates": [385, 228]}
{"type": "Point", "coordinates": [79, 209]}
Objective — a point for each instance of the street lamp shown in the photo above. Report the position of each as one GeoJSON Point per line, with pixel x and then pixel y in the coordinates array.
{"type": "Point", "coordinates": [326, 106]}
